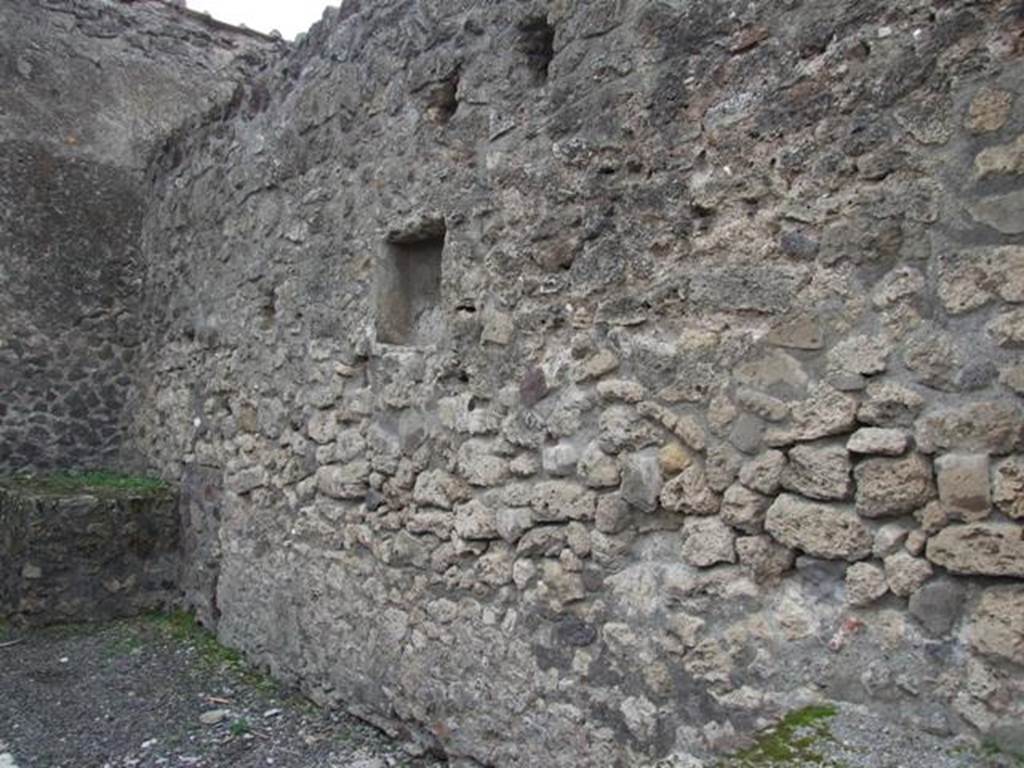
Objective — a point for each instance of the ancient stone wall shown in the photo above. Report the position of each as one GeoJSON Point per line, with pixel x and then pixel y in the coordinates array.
{"type": "Point", "coordinates": [86, 555]}
{"type": "Point", "coordinates": [90, 91]}
{"type": "Point", "coordinates": [580, 384]}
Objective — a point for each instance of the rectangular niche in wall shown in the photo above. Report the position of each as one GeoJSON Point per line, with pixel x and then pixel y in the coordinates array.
{"type": "Point", "coordinates": [409, 286]}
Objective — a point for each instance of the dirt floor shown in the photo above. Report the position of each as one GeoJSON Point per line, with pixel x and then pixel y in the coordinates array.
{"type": "Point", "coordinates": [159, 691]}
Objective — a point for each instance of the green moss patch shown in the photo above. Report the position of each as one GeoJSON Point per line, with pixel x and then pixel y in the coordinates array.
{"type": "Point", "coordinates": [94, 482]}
{"type": "Point", "coordinates": [793, 742]}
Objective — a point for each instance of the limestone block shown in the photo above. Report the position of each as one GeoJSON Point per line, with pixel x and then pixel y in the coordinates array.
{"type": "Point", "coordinates": [906, 573]}
{"type": "Point", "coordinates": [964, 488]}
{"type": "Point", "coordinates": [893, 486]}
{"type": "Point", "coordinates": [763, 557]}
{"type": "Point", "coordinates": [989, 110]}
{"type": "Point", "coordinates": [763, 473]}
{"type": "Point", "coordinates": [344, 481]}
{"type": "Point", "coordinates": [818, 472]}
{"type": "Point", "coordinates": [641, 481]}
{"type": "Point", "coordinates": [865, 583]}
{"type": "Point", "coordinates": [744, 509]}
{"type": "Point", "coordinates": [889, 405]}
{"type": "Point", "coordinates": [689, 493]}
{"type": "Point", "coordinates": [982, 549]}
{"type": "Point", "coordinates": [826, 411]}
{"type": "Point", "coordinates": [997, 625]}
{"type": "Point", "coordinates": [707, 541]}
{"type": "Point", "coordinates": [1008, 487]}
{"type": "Point", "coordinates": [475, 521]}
{"type": "Point", "coordinates": [673, 458]}
{"type": "Point", "coordinates": [1007, 328]}
{"type": "Point", "coordinates": [992, 426]}
{"type": "Point", "coordinates": [560, 501]}
{"type": "Point", "coordinates": [597, 469]}
{"type": "Point", "coordinates": [829, 532]}
{"type": "Point", "coordinates": [878, 441]}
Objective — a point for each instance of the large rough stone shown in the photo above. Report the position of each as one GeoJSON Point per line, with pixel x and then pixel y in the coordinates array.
{"type": "Point", "coordinates": [707, 541]}
{"type": "Point", "coordinates": [983, 549]}
{"type": "Point", "coordinates": [641, 481]}
{"type": "Point", "coordinates": [560, 501]}
{"type": "Point", "coordinates": [346, 481]}
{"type": "Point", "coordinates": [888, 487]}
{"type": "Point", "coordinates": [997, 625]}
{"type": "Point", "coordinates": [964, 488]}
{"type": "Point", "coordinates": [763, 557]}
{"type": "Point", "coordinates": [744, 509]}
{"type": "Point", "coordinates": [763, 473]}
{"type": "Point", "coordinates": [906, 573]}
{"type": "Point", "coordinates": [826, 411]}
{"type": "Point", "coordinates": [597, 469]}
{"type": "Point", "coordinates": [881, 442]}
{"type": "Point", "coordinates": [1008, 487]}
{"type": "Point", "coordinates": [889, 404]}
{"type": "Point", "coordinates": [833, 533]}
{"type": "Point", "coordinates": [818, 472]}
{"type": "Point", "coordinates": [865, 583]}
{"type": "Point", "coordinates": [995, 427]}
{"type": "Point", "coordinates": [689, 493]}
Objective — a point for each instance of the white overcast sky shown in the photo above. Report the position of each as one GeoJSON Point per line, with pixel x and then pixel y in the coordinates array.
{"type": "Point", "coordinates": [289, 17]}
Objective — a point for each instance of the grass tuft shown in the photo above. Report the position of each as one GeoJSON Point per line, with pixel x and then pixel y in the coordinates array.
{"type": "Point", "coordinates": [99, 482]}
{"type": "Point", "coordinates": [791, 742]}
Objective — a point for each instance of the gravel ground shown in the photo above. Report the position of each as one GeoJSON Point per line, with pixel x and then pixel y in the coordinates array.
{"type": "Point", "coordinates": [158, 691]}
{"type": "Point", "coordinates": [850, 736]}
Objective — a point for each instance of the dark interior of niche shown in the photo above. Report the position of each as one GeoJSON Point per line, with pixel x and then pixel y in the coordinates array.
{"type": "Point", "coordinates": [408, 289]}
{"type": "Point", "coordinates": [442, 100]}
{"type": "Point", "coordinates": [537, 42]}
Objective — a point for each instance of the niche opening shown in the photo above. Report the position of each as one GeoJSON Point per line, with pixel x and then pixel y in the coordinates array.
{"type": "Point", "coordinates": [409, 287]}
{"type": "Point", "coordinates": [537, 41]}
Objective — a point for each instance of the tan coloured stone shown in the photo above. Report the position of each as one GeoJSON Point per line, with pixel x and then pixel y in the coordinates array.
{"type": "Point", "coordinates": [964, 488]}
{"type": "Point", "coordinates": [673, 458]}
{"type": "Point", "coordinates": [708, 541]}
{"type": "Point", "coordinates": [997, 626]}
{"type": "Point", "coordinates": [763, 473]}
{"type": "Point", "coordinates": [878, 441]}
{"type": "Point", "coordinates": [1000, 160]}
{"type": "Point", "coordinates": [597, 469]}
{"type": "Point", "coordinates": [890, 405]}
{"type": "Point", "coordinates": [763, 557]}
{"type": "Point", "coordinates": [818, 472]}
{"type": "Point", "coordinates": [993, 426]}
{"type": "Point", "coordinates": [888, 487]}
{"type": "Point", "coordinates": [1008, 487]}
{"type": "Point", "coordinates": [689, 493]}
{"type": "Point", "coordinates": [744, 509]}
{"type": "Point", "coordinates": [827, 411]}
{"type": "Point", "coordinates": [981, 549]}
{"type": "Point", "coordinates": [830, 532]}
{"type": "Point", "coordinates": [1007, 328]}
{"type": "Point", "coordinates": [560, 501]}
{"type": "Point", "coordinates": [989, 110]}
{"type": "Point", "coordinates": [865, 583]}
{"type": "Point", "coordinates": [906, 573]}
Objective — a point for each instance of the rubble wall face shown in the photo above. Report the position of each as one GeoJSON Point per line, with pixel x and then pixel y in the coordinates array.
{"type": "Point", "coordinates": [90, 91]}
{"type": "Point", "coordinates": [583, 383]}
{"type": "Point", "coordinates": [86, 557]}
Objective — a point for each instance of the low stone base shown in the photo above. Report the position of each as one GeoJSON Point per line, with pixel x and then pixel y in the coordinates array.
{"type": "Point", "coordinates": [85, 556]}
